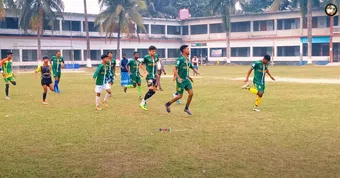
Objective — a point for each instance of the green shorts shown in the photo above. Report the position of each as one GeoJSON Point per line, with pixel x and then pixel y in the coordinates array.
{"type": "Point", "coordinates": [135, 79]}
{"type": "Point", "coordinates": [185, 85]}
{"type": "Point", "coordinates": [9, 79]}
{"type": "Point", "coordinates": [259, 87]}
{"type": "Point", "coordinates": [56, 74]}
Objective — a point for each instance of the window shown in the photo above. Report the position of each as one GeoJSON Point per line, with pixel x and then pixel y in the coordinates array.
{"type": "Point", "coordinates": [146, 28]}
{"type": "Point", "coordinates": [143, 52]}
{"type": "Point", "coordinates": [49, 53]}
{"type": "Point", "coordinates": [94, 55]}
{"type": "Point", "coordinates": [318, 49]}
{"type": "Point", "coordinates": [71, 25]}
{"type": "Point", "coordinates": [218, 52]}
{"type": "Point", "coordinates": [288, 51]}
{"type": "Point", "coordinates": [265, 25]}
{"type": "Point", "coordinates": [16, 55]}
{"type": "Point", "coordinates": [174, 30]}
{"type": "Point", "coordinates": [54, 26]}
{"type": "Point", "coordinates": [317, 22]}
{"type": "Point", "coordinates": [174, 53]}
{"type": "Point", "coordinates": [110, 50]}
{"type": "Point", "coordinates": [287, 24]}
{"type": "Point", "coordinates": [9, 23]}
{"type": "Point", "coordinates": [161, 53]}
{"type": "Point", "coordinates": [240, 27]}
{"type": "Point", "coordinates": [198, 29]}
{"type": "Point", "coordinates": [68, 56]}
{"type": "Point", "coordinates": [215, 28]}
{"type": "Point", "coordinates": [261, 51]}
{"type": "Point", "coordinates": [157, 29]}
{"type": "Point", "coordinates": [240, 52]}
{"type": "Point", "coordinates": [29, 55]}
{"type": "Point", "coordinates": [185, 30]}
{"type": "Point", "coordinates": [92, 27]}
{"type": "Point", "coordinates": [128, 52]}
{"type": "Point", "coordinates": [199, 52]}
{"type": "Point", "coordinates": [336, 21]}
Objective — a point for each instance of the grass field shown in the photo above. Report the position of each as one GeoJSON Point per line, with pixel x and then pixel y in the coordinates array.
{"type": "Point", "coordinates": [297, 133]}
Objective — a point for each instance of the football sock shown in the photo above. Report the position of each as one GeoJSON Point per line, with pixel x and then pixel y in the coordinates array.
{"type": "Point", "coordinates": [253, 90]}
{"type": "Point", "coordinates": [149, 94]}
{"type": "Point", "coordinates": [97, 100]}
{"type": "Point", "coordinates": [56, 84]}
{"type": "Point", "coordinates": [44, 96]}
{"type": "Point", "coordinates": [140, 90]}
{"type": "Point", "coordinates": [186, 107]}
{"type": "Point", "coordinates": [129, 86]}
{"type": "Point", "coordinates": [168, 104]}
{"type": "Point", "coordinates": [143, 102]}
{"type": "Point", "coordinates": [7, 89]}
{"type": "Point", "coordinates": [107, 96]}
{"type": "Point", "coordinates": [258, 101]}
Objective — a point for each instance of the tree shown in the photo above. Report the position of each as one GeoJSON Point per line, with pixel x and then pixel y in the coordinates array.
{"type": "Point", "coordinates": [87, 37]}
{"type": "Point", "coordinates": [160, 9]}
{"type": "Point", "coordinates": [119, 17]}
{"type": "Point", "coordinates": [226, 8]}
{"type": "Point", "coordinates": [33, 13]}
{"type": "Point", "coordinates": [3, 5]}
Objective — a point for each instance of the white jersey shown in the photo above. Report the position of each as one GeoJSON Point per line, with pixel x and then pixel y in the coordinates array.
{"type": "Point", "coordinates": [159, 65]}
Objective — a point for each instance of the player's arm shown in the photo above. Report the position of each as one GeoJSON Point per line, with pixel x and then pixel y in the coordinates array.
{"type": "Point", "coordinates": [1, 64]}
{"type": "Point", "coordinates": [114, 68]}
{"type": "Point", "coordinates": [95, 75]}
{"type": "Point", "coordinates": [128, 67]}
{"type": "Point", "coordinates": [141, 66]}
{"type": "Point", "coordinates": [249, 72]}
{"type": "Point", "coordinates": [270, 75]}
{"type": "Point", "coordinates": [62, 62]}
{"type": "Point", "coordinates": [176, 71]}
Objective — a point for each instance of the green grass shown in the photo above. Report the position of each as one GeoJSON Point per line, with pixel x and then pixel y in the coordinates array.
{"type": "Point", "coordinates": [297, 134]}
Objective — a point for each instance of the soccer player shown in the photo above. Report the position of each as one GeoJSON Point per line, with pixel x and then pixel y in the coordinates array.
{"type": "Point", "coordinates": [133, 68]}
{"type": "Point", "coordinates": [112, 67]}
{"type": "Point", "coordinates": [150, 62]}
{"type": "Point", "coordinates": [7, 72]}
{"type": "Point", "coordinates": [181, 71]}
{"type": "Point", "coordinates": [160, 70]}
{"type": "Point", "coordinates": [124, 74]}
{"type": "Point", "coordinates": [46, 78]}
{"type": "Point", "coordinates": [260, 69]}
{"type": "Point", "coordinates": [102, 81]}
{"type": "Point", "coordinates": [195, 63]}
{"type": "Point", "coordinates": [57, 65]}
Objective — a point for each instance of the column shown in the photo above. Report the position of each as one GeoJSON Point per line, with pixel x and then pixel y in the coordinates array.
{"type": "Point", "coordinates": [82, 55]}
{"type": "Point", "coordinates": [275, 24]}
{"type": "Point", "coordinates": [166, 53]}
{"type": "Point", "coordinates": [149, 29]}
{"type": "Point", "coordinates": [20, 55]}
{"type": "Point", "coordinates": [82, 26]}
{"type": "Point", "coordinates": [61, 26]}
{"type": "Point", "coordinates": [166, 30]}
{"type": "Point", "coordinates": [251, 51]}
{"type": "Point", "coordinates": [251, 26]}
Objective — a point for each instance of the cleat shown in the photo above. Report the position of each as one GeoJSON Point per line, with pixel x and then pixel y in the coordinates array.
{"type": "Point", "coordinates": [105, 104]}
{"type": "Point", "coordinates": [8, 98]}
{"type": "Point", "coordinates": [98, 108]}
{"type": "Point", "coordinates": [256, 109]}
{"type": "Point", "coordinates": [143, 107]}
{"type": "Point", "coordinates": [246, 87]}
{"type": "Point", "coordinates": [45, 103]}
{"type": "Point", "coordinates": [167, 108]}
{"type": "Point", "coordinates": [187, 111]}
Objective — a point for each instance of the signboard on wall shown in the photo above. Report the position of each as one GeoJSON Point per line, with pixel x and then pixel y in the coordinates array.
{"type": "Point", "coordinates": [216, 53]}
{"type": "Point", "coordinates": [198, 44]}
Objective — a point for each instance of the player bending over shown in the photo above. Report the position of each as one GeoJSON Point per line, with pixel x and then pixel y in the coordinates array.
{"type": "Point", "coordinates": [181, 71]}
{"type": "Point", "coordinates": [101, 76]}
{"type": "Point", "coordinates": [133, 69]}
{"type": "Point", "coordinates": [57, 64]}
{"type": "Point", "coordinates": [46, 78]}
{"type": "Point", "coordinates": [7, 72]}
{"type": "Point", "coordinates": [260, 69]}
{"type": "Point", "coordinates": [150, 62]}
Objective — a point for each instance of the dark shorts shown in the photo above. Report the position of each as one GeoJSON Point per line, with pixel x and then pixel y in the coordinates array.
{"type": "Point", "coordinates": [135, 79]}
{"type": "Point", "coordinates": [151, 82]}
{"type": "Point", "coordinates": [195, 67]}
{"type": "Point", "coordinates": [46, 81]}
{"type": "Point", "coordinates": [259, 87]}
{"type": "Point", "coordinates": [185, 85]}
{"type": "Point", "coordinates": [57, 75]}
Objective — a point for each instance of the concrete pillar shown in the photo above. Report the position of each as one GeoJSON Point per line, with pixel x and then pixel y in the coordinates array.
{"type": "Point", "coordinates": [61, 26]}
{"type": "Point", "coordinates": [20, 55]}
{"type": "Point", "coordinates": [81, 26]}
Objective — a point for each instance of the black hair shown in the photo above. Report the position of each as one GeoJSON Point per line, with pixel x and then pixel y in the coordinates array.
{"type": "Point", "coordinates": [57, 52]}
{"type": "Point", "coordinates": [109, 53]}
{"type": "Point", "coordinates": [267, 57]}
{"type": "Point", "coordinates": [183, 47]}
{"type": "Point", "coordinates": [124, 54]}
{"type": "Point", "coordinates": [9, 53]}
{"type": "Point", "coordinates": [134, 53]}
{"type": "Point", "coordinates": [104, 56]}
{"type": "Point", "coordinates": [45, 57]}
{"type": "Point", "coordinates": [152, 48]}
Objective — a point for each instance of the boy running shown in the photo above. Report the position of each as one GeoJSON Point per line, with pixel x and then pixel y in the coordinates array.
{"type": "Point", "coordinates": [46, 78]}
{"type": "Point", "coordinates": [150, 62]}
{"type": "Point", "coordinates": [101, 76]}
{"type": "Point", "coordinates": [7, 72]}
{"type": "Point", "coordinates": [181, 71]}
{"type": "Point", "coordinates": [260, 69]}
{"type": "Point", "coordinates": [160, 71]}
{"type": "Point", "coordinates": [57, 65]}
{"type": "Point", "coordinates": [133, 68]}
{"type": "Point", "coordinates": [112, 68]}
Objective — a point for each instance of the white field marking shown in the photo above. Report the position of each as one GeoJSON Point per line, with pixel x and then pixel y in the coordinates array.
{"type": "Point", "coordinates": [63, 71]}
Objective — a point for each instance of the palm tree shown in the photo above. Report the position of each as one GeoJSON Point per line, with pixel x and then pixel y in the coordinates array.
{"type": "Point", "coordinates": [87, 36]}
{"type": "Point", "coordinates": [226, 8]}
{"type": "Point", "coordinates": [3, 5]}
{"type": "Point", "coordinates": [119, 16]}
{"type": "Point", "coordinates": [33, 13]}
{"type": "Point", "coordinates": [160, 9]}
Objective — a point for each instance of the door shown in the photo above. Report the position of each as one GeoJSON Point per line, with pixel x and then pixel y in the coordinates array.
{"type": "Point", "coordinates": [336, 52]}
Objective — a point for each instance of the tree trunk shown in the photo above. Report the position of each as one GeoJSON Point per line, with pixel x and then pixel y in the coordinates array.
{"type": "Point", "coordinates": [40, 30]}
{"type": "Point", "coordinates": [88, 54]}
{"type": "Point", "coordinates": [309, 26]}
{"type": "Point", "coordinates": [228, 46]}
{"type": "Point", "coordinates": [118, 37]}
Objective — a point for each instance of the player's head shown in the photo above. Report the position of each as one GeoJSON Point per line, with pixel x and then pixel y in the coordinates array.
{"type": "Point", "coordinates": [124, 56]}
{"type": "Point", "coordinates": [195, 57]}
{"type": "Point", "coordinates": [266, 59]}
{"type": "Point", "coordinates": [46, 59]}
{"type": "Point", "coordinates": [152, 50]}
{"type": "Point", "coordinates": [109, 54]}
{"type": "Point", "coordinates": [136, 55]}
{"type": "Point", "coordinates": [105, 58]}
{"type": "Point", "coordinates": [58, 54]}
{"type": "Point", "coordinates": [9, 55]}
{"type": "Point", "coordinates": [185, 50]}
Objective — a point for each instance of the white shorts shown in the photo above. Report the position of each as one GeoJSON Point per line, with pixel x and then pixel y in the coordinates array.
{"type": "Point", "coordinates": [100, 88]}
